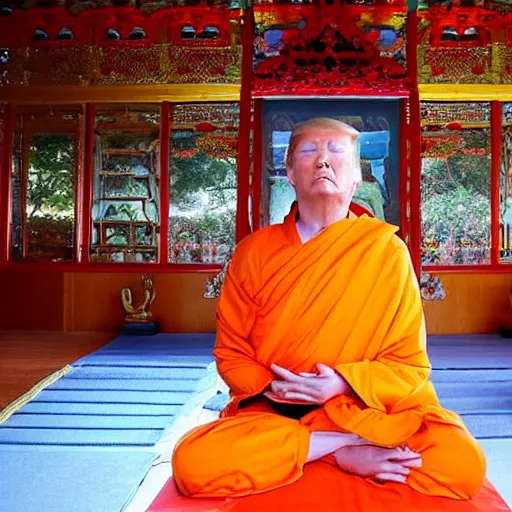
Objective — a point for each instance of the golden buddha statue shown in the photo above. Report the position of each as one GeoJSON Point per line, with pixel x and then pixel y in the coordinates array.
{"type": "Point", "coordinates": [140, 313]}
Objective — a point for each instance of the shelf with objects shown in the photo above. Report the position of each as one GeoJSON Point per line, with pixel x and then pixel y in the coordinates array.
{"type": "Point", "coordinates": [126, 178]}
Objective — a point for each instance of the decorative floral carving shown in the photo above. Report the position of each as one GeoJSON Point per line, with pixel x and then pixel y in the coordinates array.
{"type": "Point", "coordinates": [464, 44]}
{"type": "Point", "coordinates": [328, 50]}
{"type": "Point", "coordinates": [431, 288]}
{"type": "Point", "coordinates": [213, 285]}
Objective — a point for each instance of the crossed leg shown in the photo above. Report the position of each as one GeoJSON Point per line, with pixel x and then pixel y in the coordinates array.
{"type": "Point", "coordinates": [258, 450]}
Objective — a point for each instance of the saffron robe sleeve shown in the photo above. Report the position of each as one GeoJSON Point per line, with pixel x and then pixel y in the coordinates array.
{"type": "Point", "coordinates": [402, 366]}
{"type": "Point", "coordinates": [236, 315]}
{"type": "Point", "coordinates": [394, 386]}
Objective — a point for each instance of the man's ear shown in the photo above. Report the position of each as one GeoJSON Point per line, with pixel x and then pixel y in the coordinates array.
{"type": "Point", "coordinates": [355, 186]}
{"type": "Point", "coordinates": [290, 174]}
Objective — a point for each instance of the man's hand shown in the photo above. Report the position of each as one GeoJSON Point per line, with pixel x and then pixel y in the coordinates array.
{"type": "Point", "coordinates": [314, 388]}
{"type": "Point", "coordinates": [383, 464]}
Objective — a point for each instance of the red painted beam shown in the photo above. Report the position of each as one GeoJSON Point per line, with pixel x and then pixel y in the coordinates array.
{"type": "Point", "coordinates": [496, 113]}
{"type": "Point", "coordinates": [165, 143]}
{"type": "Point", "coordinates": [85, 238]}
{"type": "Point", "coordinates": [242, 213]}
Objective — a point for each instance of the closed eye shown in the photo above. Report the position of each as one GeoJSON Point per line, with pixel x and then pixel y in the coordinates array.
{"type": "Point", "coordinates": [307, 148]}
{"type": "Point", "coordinates": [337, 148]}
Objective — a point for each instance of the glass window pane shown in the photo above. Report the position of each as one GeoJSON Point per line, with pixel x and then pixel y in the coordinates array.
{"type": "Point", "coordinates": [43, 178]}
{"type": "Point", "coordinates": [455, 184]}
{"type": "Point", "coordinates": [203, 182]}
{"type": "Point", "coordinates": [378, 124]}
{"type": "Point", "coordinates": [126, 211]}
{"type": "Point", "coordinates": [506, 186]}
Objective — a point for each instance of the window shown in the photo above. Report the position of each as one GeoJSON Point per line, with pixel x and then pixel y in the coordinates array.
{"type": "Point", "coordinates": [203, 182]}
{"type": "Point", "coordinates": [456, 184]}
{"type": "Point", "coordinates": [125, 210]}
{"type": "Point", "coordinates": [378, 123]}
{"type": "Point", "coordinates": [43, 177]}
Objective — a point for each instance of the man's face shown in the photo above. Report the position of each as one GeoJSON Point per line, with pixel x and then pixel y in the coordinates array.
{"type": "Point", "coordinates": [323, 165]}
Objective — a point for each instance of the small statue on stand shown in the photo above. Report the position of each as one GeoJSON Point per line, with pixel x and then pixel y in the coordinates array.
{"type": "Point", "coordinates": [139, 320]}
{"type": "Point", "coordinates": [504, 330]}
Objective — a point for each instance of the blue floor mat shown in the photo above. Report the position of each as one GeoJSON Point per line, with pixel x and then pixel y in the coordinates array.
{"type": "Point", "coordinates": [80, 437]}
{"type": "Point", "coordinates": [102, 409]}
{"type": "Point", "coordinates": [164, 350]}
{"type": "Point", "coordinates": [143, 385]}
{"type": "Point", "coordinates": [106, 392]}
{"type": "Point", "coordinates": [475, 352]}
{"type": "Point", "coordinates": [489, 426]}
{"type": "Point", "coordinates": [472, 376]}
{"type": "Point", "coordinates": [114, 397]}
{"type": "Point", "coordinates": [471, 405]}
{"type": "Point", "coordinates": [485, 397]}
{"type": "Point", "coordinates": [57, 481]}
{"type": "Point", "coordinates": [133, 374]}
{"type": "Point", "coordinates": [147, 361]}
{"type": "Point", "coordinates": [90, 421]}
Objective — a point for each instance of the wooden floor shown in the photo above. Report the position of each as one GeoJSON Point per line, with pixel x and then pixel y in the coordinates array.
{"type": "Point", "coordinates": [28, 357]}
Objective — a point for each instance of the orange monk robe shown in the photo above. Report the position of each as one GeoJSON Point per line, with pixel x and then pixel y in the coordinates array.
{"type": "Point", "coordinates": [347, 298]}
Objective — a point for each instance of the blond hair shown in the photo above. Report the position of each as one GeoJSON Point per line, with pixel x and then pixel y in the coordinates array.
{"type": "Point", "coordinates": [326, 123]}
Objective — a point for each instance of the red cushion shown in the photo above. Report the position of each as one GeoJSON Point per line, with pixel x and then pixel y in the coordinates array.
{"type": "Point", "coordinates": [326, 489]}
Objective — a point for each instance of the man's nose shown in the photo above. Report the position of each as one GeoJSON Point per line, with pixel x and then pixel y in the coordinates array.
{"type": "Point", "coordinates": [322, 159]}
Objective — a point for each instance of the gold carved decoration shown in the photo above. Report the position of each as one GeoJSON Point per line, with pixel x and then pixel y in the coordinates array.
{"type": "Point", "coordinates": [83, 65]}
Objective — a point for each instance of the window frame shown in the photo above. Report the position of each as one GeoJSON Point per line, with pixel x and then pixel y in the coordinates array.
{"type": "Point", "coordinates": [494, 266]}
{"type": "Point", "coordinates": [6, 199]}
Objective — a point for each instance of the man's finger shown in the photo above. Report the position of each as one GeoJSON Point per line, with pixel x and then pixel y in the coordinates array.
{"type": "Point", "coordinates": [308, 374]}
{"type": "Point", "coordinates": [284, 386]}
{"type": "Point", "coordinates": [412, 463]}
{"type": "Point", "coordinates": [291, 395]}
{"type": "Point", "coordinates": [324, 370]}
{"type": "Point", "coordinates": [391, 477]}
{"type": "Point", "coordinates": [399, 469]}
{"type": "Point", "coordinates": [285, 374]}
{"type": "Point", "coordinates": [406, 448]}
{"type": "Point", "coordinates": [402, 455]}
{"type": "Point", "coordinates": [278, 386]}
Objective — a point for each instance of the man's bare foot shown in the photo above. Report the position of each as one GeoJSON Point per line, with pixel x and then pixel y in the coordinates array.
{"type": "Point", "coordinates": [384, 464]}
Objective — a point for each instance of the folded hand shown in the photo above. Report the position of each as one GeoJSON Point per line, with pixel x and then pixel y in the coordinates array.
{"type": "Point", "coordinates": [383, 464]}
{"type": "Point", "coordinates": [315, 388]}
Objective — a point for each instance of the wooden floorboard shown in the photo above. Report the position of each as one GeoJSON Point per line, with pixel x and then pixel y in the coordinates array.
{"type": "Point", "coordinates": [27, 357]}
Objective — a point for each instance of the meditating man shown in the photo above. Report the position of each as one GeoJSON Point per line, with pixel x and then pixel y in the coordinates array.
{"type": "Point", "coordinates": [321, 339]}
